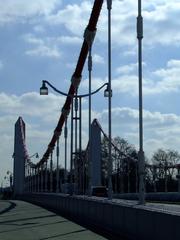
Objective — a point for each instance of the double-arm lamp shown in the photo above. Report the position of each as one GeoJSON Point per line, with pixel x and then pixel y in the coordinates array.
{"type": "Point", "coordinates": [44, 90]}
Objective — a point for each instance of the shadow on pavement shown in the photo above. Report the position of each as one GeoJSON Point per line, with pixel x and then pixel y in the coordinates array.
{"type": "Point", "coordinates": [24, 219]}
{"type": "Point", "coordinates": [37, 225]}
{"type": "Point", "coordinates": [11, 206]}
{"type": "Point", "coordinates": [64, 234]}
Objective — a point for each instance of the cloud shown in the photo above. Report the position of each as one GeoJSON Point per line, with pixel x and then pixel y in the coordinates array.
{"type": "Point", "coordinates": [96, 83]}
{"type": "Point", "coordinates": [49, 46]}
{"type": "Point", "coordinates": [169, 77]}
{"type": "Point", "coordinates": [161, 81]}
{"type": "Point", "coordinates": [44, 47]}
{"type": "Point", "coordinates": [30, 104]}
{"type": "Point", "coordinates": [126, 69]}
{"type": "Point", "coordinates": [160, 19]}
{"type": "Point", "coordinates": [69, 40]}
{"type": "Point", "coordinates": [44, 51]}
{"type": "Point", "coordinates": [161, 130]}
{"type": "Point", "coordinates": [18, 10]}
{"type": "Point", "coordinates": [98, 59]}
{"type": "Point", "coordinates": [160, 22]}
{"type": "Point", "coordinates": [74, 17]}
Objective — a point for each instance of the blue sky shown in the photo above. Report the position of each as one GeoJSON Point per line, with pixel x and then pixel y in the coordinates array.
{"type": "Point", "coordinates": [42, 40]}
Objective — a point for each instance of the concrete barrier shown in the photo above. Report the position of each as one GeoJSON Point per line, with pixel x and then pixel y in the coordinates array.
{"type": "Point", "coordinates": [131, 221]}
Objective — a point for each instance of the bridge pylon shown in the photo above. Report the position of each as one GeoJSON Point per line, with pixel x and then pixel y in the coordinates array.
{"type": "Point", "coordinates": [19, 157]}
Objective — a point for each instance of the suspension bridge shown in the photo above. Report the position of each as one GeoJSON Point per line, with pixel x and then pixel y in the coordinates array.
{"type": "Point", "coordinates": [69, 190]}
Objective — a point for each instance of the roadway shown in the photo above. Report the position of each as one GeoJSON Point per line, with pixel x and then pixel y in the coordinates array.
{"type": "Point", "coordinates": [24, 221]}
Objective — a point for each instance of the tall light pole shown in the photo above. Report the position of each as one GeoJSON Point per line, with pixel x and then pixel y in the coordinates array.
{"type": "Point", "coordinates": [109, 7]}
{"type": "Point", "coordinates": [141, 152]}
{"type": "Point", "coordinates": [44, 91]}
{"type": "Point", "coordinates": [89, 37]}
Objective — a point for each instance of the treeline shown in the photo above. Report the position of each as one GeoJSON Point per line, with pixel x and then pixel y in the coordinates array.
{"type": "Point", "coordinates": [160, 171]}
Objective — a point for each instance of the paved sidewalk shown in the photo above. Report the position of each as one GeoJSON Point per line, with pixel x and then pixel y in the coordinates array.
{"type": "Point", "coordinates": [24, 221]}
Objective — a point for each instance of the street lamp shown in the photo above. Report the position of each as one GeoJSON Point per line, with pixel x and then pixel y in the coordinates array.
{"type": "Point", "coordinates": [107, 92]}
{"type": "Point", "coordinates": [44, 91]}
{"type": "Point", "coordinates": [44, 88]}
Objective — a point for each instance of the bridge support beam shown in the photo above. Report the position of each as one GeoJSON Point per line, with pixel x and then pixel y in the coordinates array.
{"type": "Point", "coordinates": [95, 155]}
{"type": "Point", "coordinates": [19, 157]}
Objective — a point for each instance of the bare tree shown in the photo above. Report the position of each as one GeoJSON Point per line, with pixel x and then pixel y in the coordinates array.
{"type": "Point", "coordinates": [165, 161]}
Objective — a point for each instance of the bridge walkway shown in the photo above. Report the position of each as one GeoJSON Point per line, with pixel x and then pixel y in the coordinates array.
{"type": "Point", "coordinates": [24, 221]}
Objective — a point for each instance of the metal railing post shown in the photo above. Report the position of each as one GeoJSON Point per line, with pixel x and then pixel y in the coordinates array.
{"type": "Point", "coordinates": [46, 177]}
{"type": "Point", "coordinates": [71, 153]}
{"type": "Point", "coordinates": [42, 182]}
{"type": "Point", "coordinates": [57, 166]}
{"type": "Point", "coordinates": [65, 154]}
{"type": "Point", "coordinates": [51, 173]}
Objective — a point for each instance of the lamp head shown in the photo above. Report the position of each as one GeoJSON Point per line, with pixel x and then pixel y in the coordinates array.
{"type": "Point", "coordinates": [107, 91]}
{"type": "Point", "coordinates": [43, 89]}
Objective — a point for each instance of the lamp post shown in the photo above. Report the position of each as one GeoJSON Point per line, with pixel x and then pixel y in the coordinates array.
{"type": "Point", "coordinates": [109, 7]}
{"type": "Point", "coordinates": [141, 152]}
{"type": "Point", "coordinates": [44, 91]}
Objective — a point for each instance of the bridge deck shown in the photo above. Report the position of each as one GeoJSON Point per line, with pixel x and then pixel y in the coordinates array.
{"type": "Point", "coordinates": [24, 221]}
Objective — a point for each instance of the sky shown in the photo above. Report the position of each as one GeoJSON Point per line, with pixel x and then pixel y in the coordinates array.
{"type": "Point", "coordinates": [41, 39]}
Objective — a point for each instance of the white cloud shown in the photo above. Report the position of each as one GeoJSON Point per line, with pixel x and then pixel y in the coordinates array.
{"type": "Point", "coordinates": [96, 83]}
{"type": "Point", "coordinates": [44, 51]}
{"type": "Point", "coordinates": [69, 40]}
{"type": "Point", "coordinates": [161, 130]}
{"type": "Point", "coordinates": [167, 79]}
{"type": "Point", "coordinates": [74, 17]}
{"type": "Point", "coordinates": [160, 21]}
{"type": "Point", "coordinates": [98, 59]}
{"type": "Point", "coordinates": [126, 69]}
{"type": "Point", "coordinates": [15, 10]}
{"type": "Point", "coordinates": [44, 47]}
{"type": "Point", "coordinates": [30, 104]}
{"type": "Point", "coordinates": [49, 46]}
{"type": "Point", "coordinates": [161, 81]}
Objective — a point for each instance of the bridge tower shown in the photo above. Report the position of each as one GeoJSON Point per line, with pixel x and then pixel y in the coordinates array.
{"type": "Point", "coordinates": [95, 155]}
{"type": "Point", "coordinates": [19, 157]}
